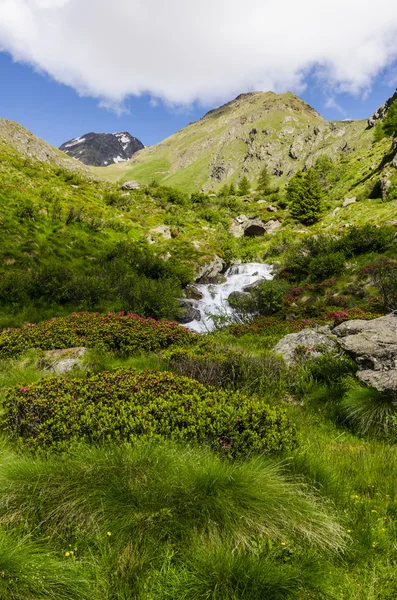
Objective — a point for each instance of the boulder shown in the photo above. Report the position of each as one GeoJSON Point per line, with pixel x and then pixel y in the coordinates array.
{"type": "Point", "coordinates": [371, 344]}
{"type": "Point", "coordinates": [393, 222]}
{"type": "Point", "coordinates": [383, 381]}
{"type": "Point", "coordinates": [272, 208]}
{"type": "Point", "coordinates": [210, 272]}
{"type": "Point", "coordinates": [272, 226]}
{"type": "Point", "coordinates": [254, 228]}
{"type": "Point", "coordinates": [313, 342]}
{"type": "Point", "coordinates": [130, 185]}
{"type": "Point", "coordinates": [61, 361]}
{"type": "Point", "coordinates": [162, 230]}
{"type": "Point", "coordinates": [348, 201]}
{"type": "Point", "coordinates": [193, 293]}
{"type": "Point", "coordinates": [187, 312]}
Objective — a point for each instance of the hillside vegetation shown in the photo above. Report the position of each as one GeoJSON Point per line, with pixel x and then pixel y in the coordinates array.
{"type": "Point", "coordinates": [161, 464]}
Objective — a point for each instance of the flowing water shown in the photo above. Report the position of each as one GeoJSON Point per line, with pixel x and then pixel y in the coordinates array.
{"type": "Point", "coordinates": [214, 301]}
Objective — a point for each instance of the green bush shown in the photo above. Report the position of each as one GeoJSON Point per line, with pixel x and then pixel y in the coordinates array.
{"type": "Point", "coordinates": [323, 267]}
{"type": "Point", "coordinates": [120, 332]}
{"type": "Point", "coordinates": [126, 405]}
{"type": "Point", "coordinates": [269, 296]}
{"type": "Point", "coordinates": [384, 276]}
{"type": "Point", "coordinates": [364, 239]}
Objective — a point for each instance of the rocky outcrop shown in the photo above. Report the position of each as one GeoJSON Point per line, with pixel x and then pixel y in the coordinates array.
{"type": "Point", "coordinates": [373, 346]}
{"type": "Point", "coordinates": [348, 201]}
{"type": "Point", "coordinates": [102, 149]}
{"type": "Point", "coordinates": [307, 342]}
{"type": "Point", "coordinates": [242, 225]}
{"type": "Point", "coordinates": [382, 110]}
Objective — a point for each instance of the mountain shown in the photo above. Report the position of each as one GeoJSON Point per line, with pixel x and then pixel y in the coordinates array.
{"type": "Point", "coordinates": [16, 138]}
{"type": "Point", "coordinates": [102, 149]}
{"type": "Point", "coordinates": [280, 131]}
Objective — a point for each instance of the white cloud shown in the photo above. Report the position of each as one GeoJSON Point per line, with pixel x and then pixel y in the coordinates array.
{"type": "Point", "coordinates": [183, 51]}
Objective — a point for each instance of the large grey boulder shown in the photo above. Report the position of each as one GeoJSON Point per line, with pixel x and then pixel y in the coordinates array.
{"type": "Point", "coordinates": [313, 342]}
{"type": "Point", "coordinates": [162, 230]}
{"type": "Point", "coordinates": [371, 344]}
{"type": "Point", "coordinates": [383, 381]}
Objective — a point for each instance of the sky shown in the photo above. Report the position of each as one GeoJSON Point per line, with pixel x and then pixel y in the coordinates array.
{"type": "Point", "coordinates": [68, 67]}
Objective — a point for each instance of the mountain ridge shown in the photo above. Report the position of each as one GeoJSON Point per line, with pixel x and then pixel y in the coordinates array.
{"type": "Point", "coordinates": [102, 149]}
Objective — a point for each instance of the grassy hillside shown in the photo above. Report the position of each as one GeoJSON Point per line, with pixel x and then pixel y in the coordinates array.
{"type": "Point", "coordinates": [239, 138]}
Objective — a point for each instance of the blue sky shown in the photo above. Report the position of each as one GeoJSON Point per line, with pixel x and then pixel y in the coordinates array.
{"type": "Point", "coordinates": [56, 112]}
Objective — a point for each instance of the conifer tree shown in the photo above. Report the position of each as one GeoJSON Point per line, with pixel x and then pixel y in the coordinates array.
{"type": "Point", "coordinates": [232, 190]}
{"type": "Point", "coordinates": [244, 187]}
{"type": "Point", "coordinates": [264, 181]}
{"type": "Point", "coordinates": [305, 197]}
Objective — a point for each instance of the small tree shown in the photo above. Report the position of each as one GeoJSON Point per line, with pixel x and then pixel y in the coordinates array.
{"type": "Point", "coordinates": [232, 190]}
{"type": "Point", "coordinates": [244, 187]}
{"type": "Point", "coordinates": [389, 125]}
{"type": "Point", "coordinates": [305, 197]}
{"type": "Point", "coordinates": [264, 181]}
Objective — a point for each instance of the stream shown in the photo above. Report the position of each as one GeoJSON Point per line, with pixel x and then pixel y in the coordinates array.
{"type": "Point", "coordinates": [214, 301]}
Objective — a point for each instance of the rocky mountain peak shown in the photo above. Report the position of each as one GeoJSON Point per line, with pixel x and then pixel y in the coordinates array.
{"type": "Point", "coordinates": [382, 110]}
{"type": "Point", "coordinates": [102, 149]}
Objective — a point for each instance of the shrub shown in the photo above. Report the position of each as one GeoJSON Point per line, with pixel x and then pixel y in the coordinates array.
{"type": "Point", "coordinates": [126, 405]}
{"type": "Point", "coordinates": [269, 296]}
{"type": "Point", "coordinates": [364, 239]}
{"type": "Point", "coordinates": [123, 333]}
{"type": "Point", "coordinates": [323, 267]}
{"type": "Point", "coordinates": [243, 187]}
{"type": "Point", "coordinates": [384, 276]}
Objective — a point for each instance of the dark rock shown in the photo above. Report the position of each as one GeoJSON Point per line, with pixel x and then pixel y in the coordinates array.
{"type": "Point", "coordinates": [218, 172]}
{"type": "Point", "coordinates": [102, 149]}
{"type": "Point", "coordinates": [277, 172]}
{"type": "Point", "coordinates": [193, 293]}
{"type": "Point", "coordinates": [187, 312]}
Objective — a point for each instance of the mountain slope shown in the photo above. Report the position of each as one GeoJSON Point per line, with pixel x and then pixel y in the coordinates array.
{"type": "Point", "coordinates": [15, 137]}
{"type": "Point", "coordinates": [102, 149]}
{"type": "Point", "coordinates": [280, 131]}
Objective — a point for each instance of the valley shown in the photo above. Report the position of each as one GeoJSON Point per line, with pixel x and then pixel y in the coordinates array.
{"type": "Point", "coordinates": [198, 355]}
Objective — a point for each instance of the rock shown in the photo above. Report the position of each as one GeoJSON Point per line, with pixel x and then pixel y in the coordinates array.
{"type": "Point", "coordinates": [188, 312]}
{"type": "Point", "coordinates": [254, 228]}
{"type": "Point", "coordinates": [219, 172]}
{"type": "Point", "coordinates": [317, 130]}
{"type": "Point", "coordinates": [241, 219]}
{"type": "Point", "coordinates": [348, 201]}
{"type": "Point", "coordinates": [272, 208]}
{"type": "Point", "coordinates": [371, 344]}
{"type": "Point", "coordinates": [383, 381]}
{"type": "Point", "coordinates": [393, 222]}
{"type": "Point", "coordinates": [149, 238]}
{"type": "Point", "coordinates": [292, 153]}
{"type": "Point", "coordinates": [61, 361]}
{"type": "Point", "coordinates": [382, 110]}
{"type": "Point", "coordinates": [130, 185]}
{"type": "Point", "coordinates": [236, 296]}
{"type": "Point", "coordinates": [312, 341]}
{"type": "Point", "coordinates": [277, 172]}
{"type": "Point", "coordinates": [394, 162]}
{"type": "Point", "coordinates": [272, 226]}
{"type": "Point", "coordinates": [385, 183]}
{"type": "Point", "coordinates": [162, 230]}
{"type": "Point", "coordinates": [210, 272]}
{"type": "Point", "coordinates": [193, 293]}
{"type": "Point", "coordinates": [336, 210]}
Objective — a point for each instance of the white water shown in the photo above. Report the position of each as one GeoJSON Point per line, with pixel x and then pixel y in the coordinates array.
{"type": "Point", "coordinates": [215, 296]}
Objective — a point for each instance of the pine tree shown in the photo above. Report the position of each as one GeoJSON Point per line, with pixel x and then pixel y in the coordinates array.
{"type": "Point", "coordinates": [232, 190]}
{"type": "Point", "coordinates": [244, 187]}
{"type": "Point", "coordinates": [305, 197]}
{"type": "Point", "coordinates": [264, 181]}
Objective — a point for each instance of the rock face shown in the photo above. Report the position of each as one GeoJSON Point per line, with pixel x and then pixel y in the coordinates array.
{"type": "Point", "coordinates": [373, 346]}
{"type": "Point", "coordinates": [242, 225]}
{"type": "Point", "coordinates": [313, 343]}
{"type": "Point", "coordinates": [61, 361]}
{"type": "Point", "coordinates": [102, 149]}
{"type": "Point", "coordinates": [382, 110]}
